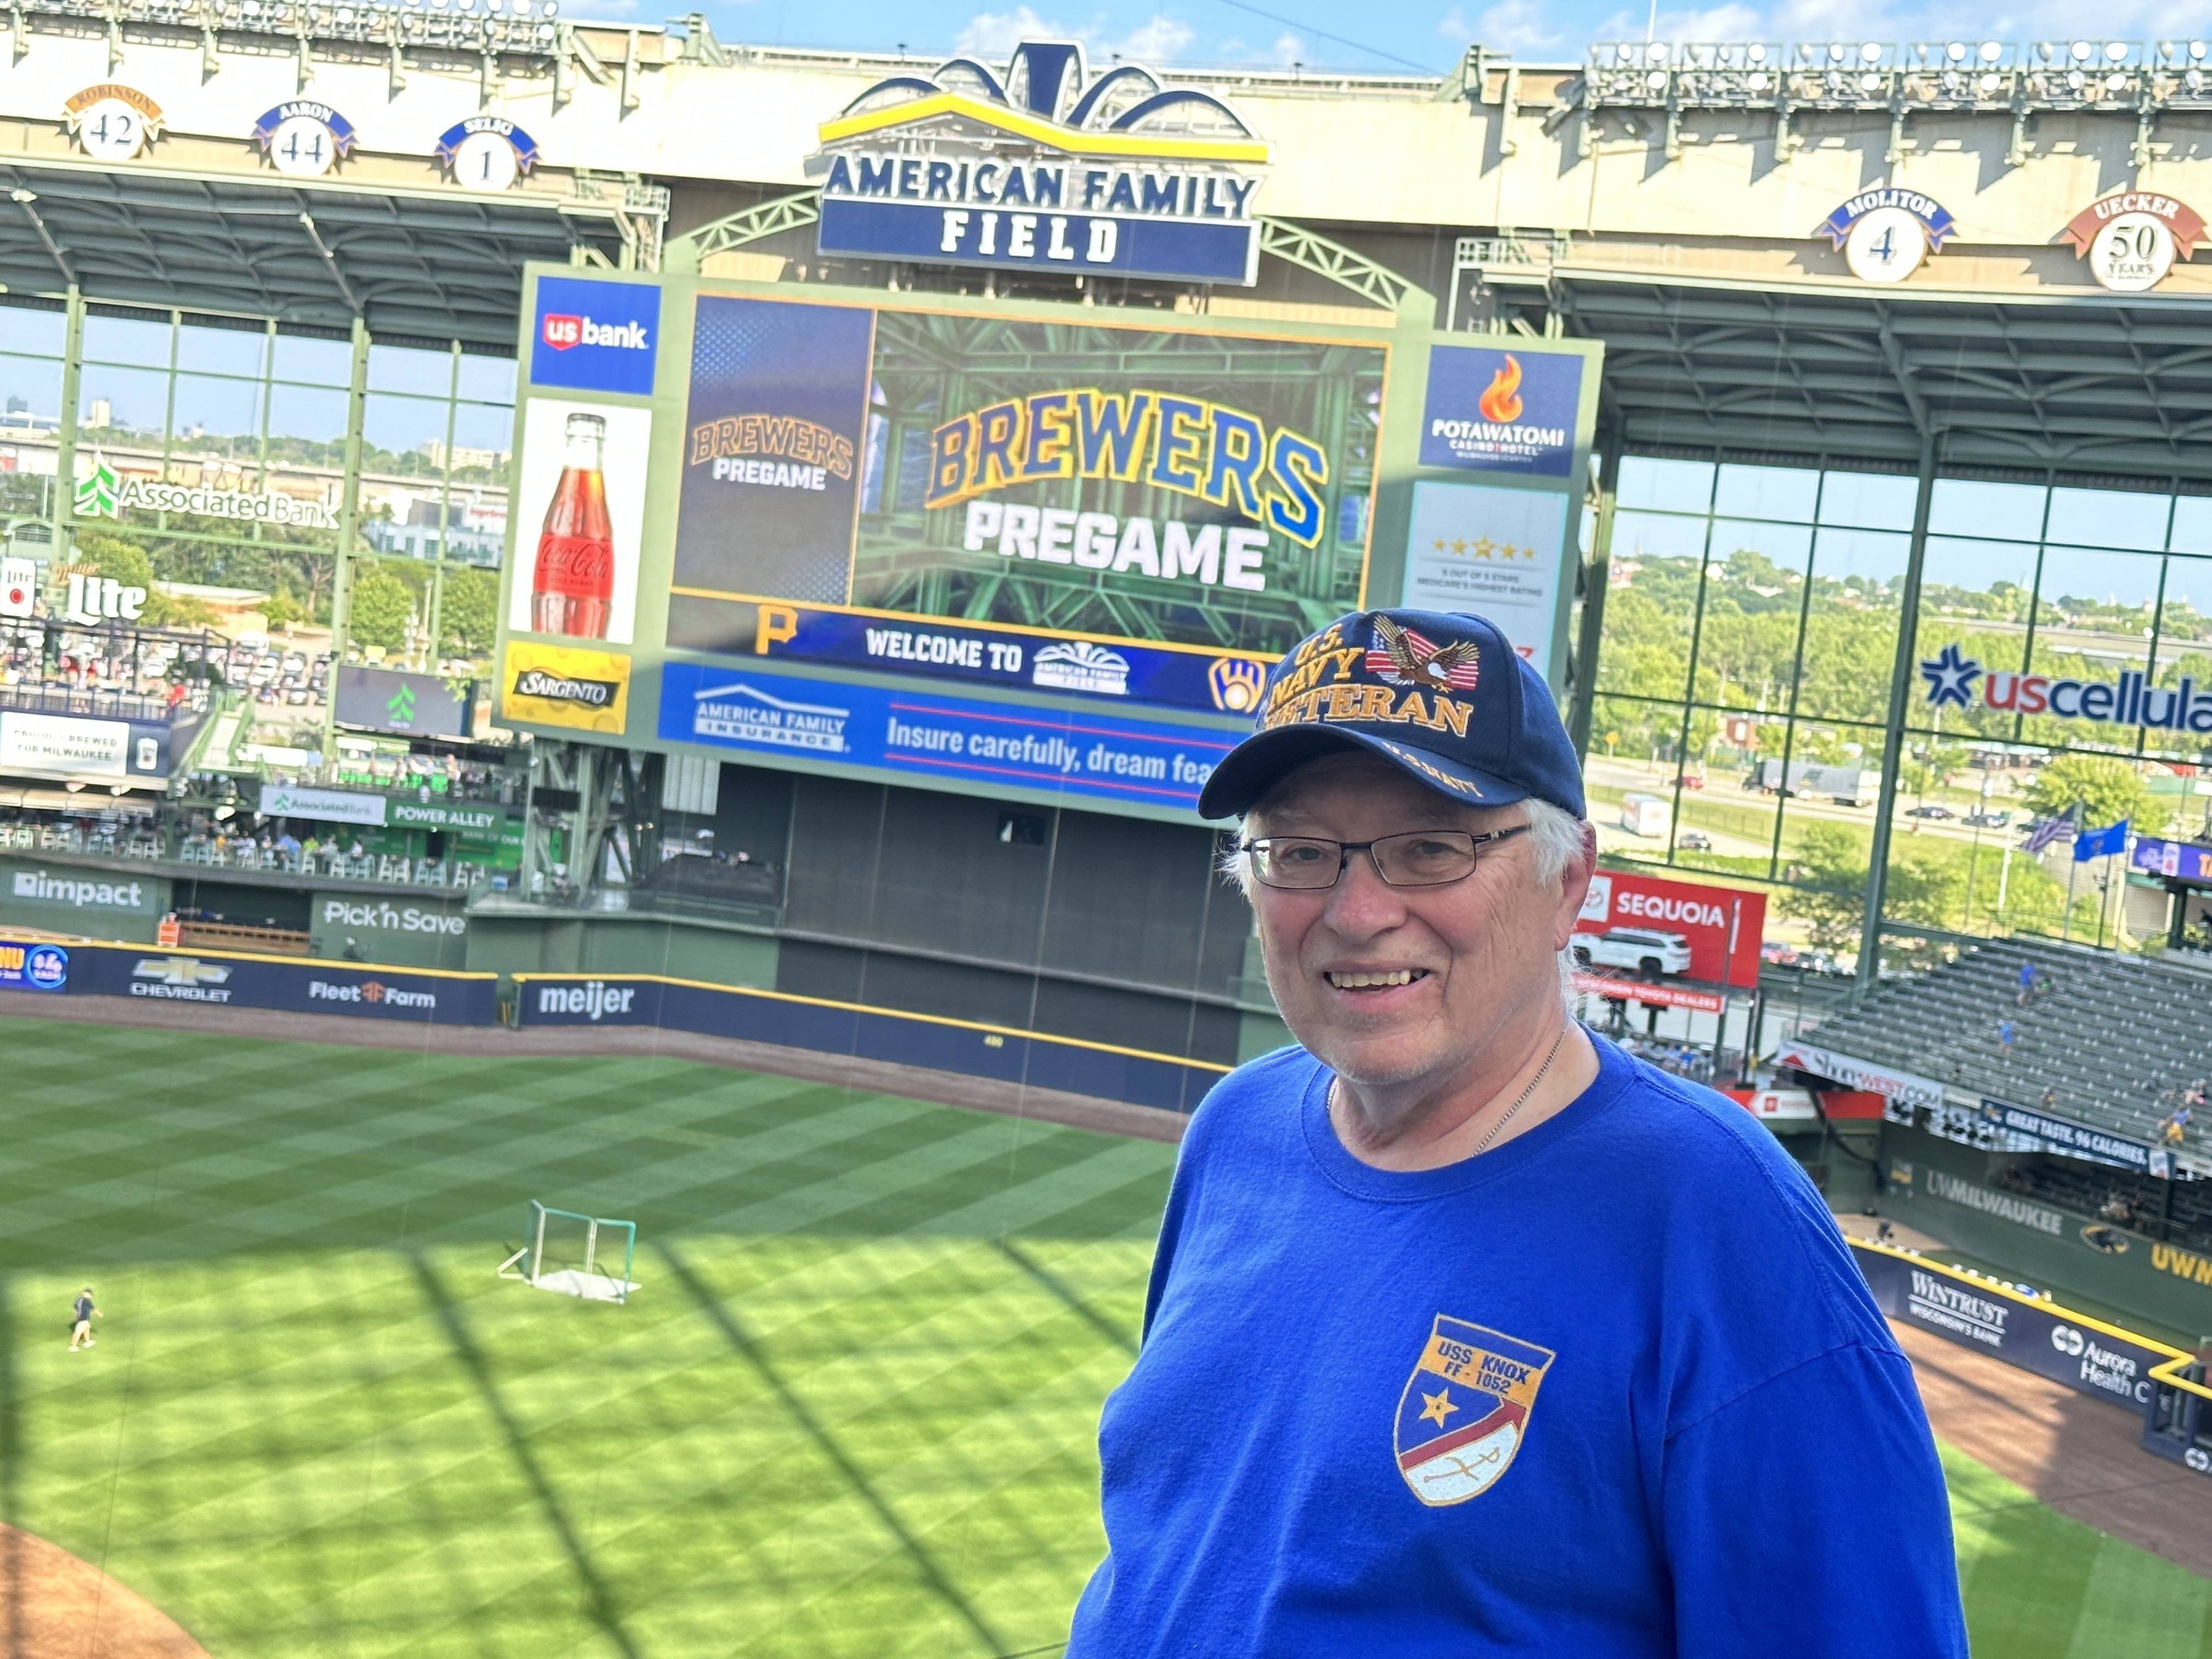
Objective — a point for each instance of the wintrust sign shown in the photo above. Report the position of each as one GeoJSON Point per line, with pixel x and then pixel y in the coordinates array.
{"type": "Point", "coordinates": [1952, 678]}
{"type": "Point", "coordinates": [596, 336]}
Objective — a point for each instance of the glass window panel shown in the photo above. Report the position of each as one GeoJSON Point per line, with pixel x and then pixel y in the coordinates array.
{"type": "Point", "coordinates": [2185, 627]}
{"type": "Point", "coordinates": [217, 417]}
{"type": "Point", "coordinates": [30, 392]}
{"type": "Point", "coordinates": [482, 434]}
{"type": "Point", "coordinates": [1968, 506]}
{"type": "Point", "coordinates": [1632, 750]}
{"type": "Point", "coordinates": [409, 432]}
{"type": "Point", "coordinates": [1826, 846]}
{"type": "Point", "coordinates": [1666, 486]}
{"type": "Point", "coordinates": [486, 380]}
{"type": "Point", "coordinates": [411, 369]}
{"type": "Point", "coordinates": [205, 350]}
{"type": "Point", "coordinates": [1724, 821]}
{"type": "Point", "coordinates": [34, 331]}
{"type": "Point", "coordinates": [305, 412]}
{"type": "Point", "coordinates": [1869, 500]}
{"type": "Point", "coordinates": [1651, 599]}
{"type": "Point", "coordinates": [2109, 518]}
{"type": "Point", "coordinates": [1851, 624]}
{"type": "Point", "coordinates": [1977, 596]}
{"type": "Point", "coordinates": [141, 341]}
{"type": "Point", "coordinates": [1754, 584]}
{"type": "Point", "coordinates": [126, 402]}
{"type": "Point", "coordinates": [2192, 524]}
{"type": "Point", "coordinates": [2093, 622]}
{"type": "Point", "coordinates": [316, 360]}
{"type": "Point", "coordinates": [1766, 492]}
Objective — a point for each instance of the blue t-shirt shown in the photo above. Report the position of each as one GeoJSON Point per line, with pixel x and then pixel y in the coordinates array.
{"type": "Point", "coordinates": [1614, 1389]}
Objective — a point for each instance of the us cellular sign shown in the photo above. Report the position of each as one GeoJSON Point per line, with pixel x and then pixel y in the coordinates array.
{"type": "Point", "coordinates": [1042, 165]}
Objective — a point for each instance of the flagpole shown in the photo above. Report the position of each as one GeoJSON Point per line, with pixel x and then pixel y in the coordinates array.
{"type": "Point", "coordinates": [2066, 927]}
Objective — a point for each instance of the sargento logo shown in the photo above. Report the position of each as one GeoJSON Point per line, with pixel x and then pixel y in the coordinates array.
{"type": "Point", "coordinates": [559, 688]}
{"type": "Point", "coordinates": [776, 437]}
{"type": "Point", "coordinates": [564, 329]}
{"type": "Point", "coordinates": [1187, 445]}
{"type": "Point", "coordinates": [1953, 676]}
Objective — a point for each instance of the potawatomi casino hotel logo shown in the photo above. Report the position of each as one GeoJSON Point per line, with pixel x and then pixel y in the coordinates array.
{"type": "Point", "coordinates": [1953, 679]}
{"type": "Point", "coordinates": [1038, 165]}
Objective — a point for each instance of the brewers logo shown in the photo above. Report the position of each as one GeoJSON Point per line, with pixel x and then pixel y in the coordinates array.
{"type": "Point", "coordinates": [1236, 684]}
{"type": "Point", "coordinates": [1465, 1410]}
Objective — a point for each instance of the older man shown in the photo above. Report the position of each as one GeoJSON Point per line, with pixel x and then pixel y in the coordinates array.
{"type": "Point", "coordinates": [1467, 1333]}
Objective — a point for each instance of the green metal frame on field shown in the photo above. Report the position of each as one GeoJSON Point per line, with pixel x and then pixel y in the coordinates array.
{"type": "Point", "coordinates": [1402, 325]}
{"type": "Point", "coordinates": [534, 1246]}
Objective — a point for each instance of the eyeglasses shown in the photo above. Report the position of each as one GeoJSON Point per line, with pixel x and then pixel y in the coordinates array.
{"type": "Point", "coordinates": [1425, 858]}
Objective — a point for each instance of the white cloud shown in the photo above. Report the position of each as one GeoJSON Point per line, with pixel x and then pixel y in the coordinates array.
{"type": "Point", "coordinates": [1287, 50]}
{"type": "Point", "coordinates": [991, 36]}
{"type": "Point", "coordinates": [1726, 22]}
{"type": "Point", "coordinates": [1509, 26]}
{"type": "Point", "coordinates": [1159, 38]}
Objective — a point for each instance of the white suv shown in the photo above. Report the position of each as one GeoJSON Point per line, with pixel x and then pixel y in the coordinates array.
{"type": "Point", "coordinates": [1646, 951]}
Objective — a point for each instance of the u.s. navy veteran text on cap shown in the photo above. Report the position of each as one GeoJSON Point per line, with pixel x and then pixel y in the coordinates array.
{"type": "Point", "coordinates": [1443, 696]}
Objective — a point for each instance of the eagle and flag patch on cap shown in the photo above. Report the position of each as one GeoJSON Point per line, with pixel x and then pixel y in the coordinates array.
{"type": "Point", "coordinates": [1403, 657]}
{"type": "Point", "coordinates": [1465, 1410]}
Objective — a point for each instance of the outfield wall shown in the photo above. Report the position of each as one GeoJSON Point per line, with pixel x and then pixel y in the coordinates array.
{"type": "Point", "coordinates": [300, 984]}
{"type": "Point", "coordinates": [1942, 1189]}
{"type": "Point", "coordinates": [844, 1028]}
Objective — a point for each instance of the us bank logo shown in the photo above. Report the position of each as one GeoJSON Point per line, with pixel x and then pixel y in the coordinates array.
{"type": "Point", "coordinates": [1037, 163]}
{"type": "Point", "coordinates": [1501, 411]}
{"type": "Point", "coordinates": [595, 336]}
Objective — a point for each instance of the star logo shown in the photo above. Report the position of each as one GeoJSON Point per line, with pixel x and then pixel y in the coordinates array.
{"type": "Point", "coordinates": [1950, 675]}
{"type": "Point", "coordinates": [1437, 1406]}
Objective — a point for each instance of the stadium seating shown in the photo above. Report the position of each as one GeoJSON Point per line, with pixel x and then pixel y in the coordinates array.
{"type": "Point", "coordinates": [2113, 1040]}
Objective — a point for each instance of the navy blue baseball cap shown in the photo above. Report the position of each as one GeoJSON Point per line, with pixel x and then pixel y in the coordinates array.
{"type": "Point", "coordinates": [1444, 696]}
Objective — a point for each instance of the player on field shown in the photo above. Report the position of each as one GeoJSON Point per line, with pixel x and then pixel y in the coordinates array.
{"type": "Point", "coordinates": [1467, 1334]}
{"type": "Point", "coordinates": [81, 1332]}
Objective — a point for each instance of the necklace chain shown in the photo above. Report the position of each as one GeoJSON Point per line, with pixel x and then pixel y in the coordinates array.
{"type": "Point", "coordinates": [1483, 1145]}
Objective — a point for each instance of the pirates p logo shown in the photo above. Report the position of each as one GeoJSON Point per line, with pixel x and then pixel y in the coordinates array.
{"type": "Point", "coordinates": [1465, 1409]}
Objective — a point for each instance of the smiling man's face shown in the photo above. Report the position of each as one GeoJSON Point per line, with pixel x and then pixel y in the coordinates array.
{"type": "Point", "coordinates": [1405, 990]}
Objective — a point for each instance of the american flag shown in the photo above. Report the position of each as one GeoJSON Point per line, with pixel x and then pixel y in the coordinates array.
{"type": "Point", "coordinates": [2044, 831]}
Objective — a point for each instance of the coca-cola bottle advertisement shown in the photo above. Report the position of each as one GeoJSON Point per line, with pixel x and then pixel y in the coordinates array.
{"type": "Point", "coordinates": [581, 514]}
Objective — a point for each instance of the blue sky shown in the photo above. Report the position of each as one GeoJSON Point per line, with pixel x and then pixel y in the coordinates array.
{"type": "Point", "coordinates": [1392, 34]}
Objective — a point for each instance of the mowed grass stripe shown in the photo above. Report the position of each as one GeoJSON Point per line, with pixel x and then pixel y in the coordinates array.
{"type": "Point", "coordinates": [302, 1413]}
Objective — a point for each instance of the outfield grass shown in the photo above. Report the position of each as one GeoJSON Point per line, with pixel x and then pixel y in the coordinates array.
{"type": "Point", "coordinates": [849, 1413]}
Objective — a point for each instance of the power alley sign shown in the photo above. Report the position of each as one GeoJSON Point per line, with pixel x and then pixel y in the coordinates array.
{"type": "Point", "coordinates": [1043, 167]}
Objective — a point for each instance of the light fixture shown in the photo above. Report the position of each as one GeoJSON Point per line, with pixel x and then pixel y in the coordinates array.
{"type": "Point", "coordinates": [1656, 79]}
{"type": "Point", "coordinates": [1755, 52]}
{"type": "Point", "coordinates": [1956, 52]}
{"type": "Point", "coordinates": [1870, 82]}
{"type": "Point", "coordinates": [1758, 80]}
{"type": "Point", "coordinates": [1991, 50]}
{"type": "Point", "coordinates": [1655, 52]}
{"type": "Point", "coordinates": [2116, 81]}
{"type": "Point", "coordinates": [2115, 51]}
{"type": "Point", "coordinates": [2076, 79]}
{"type": "Point", "coordinates": [2080, 51]}
{"type": "Point", "coordinates": [2197, 49]}
{"type": "Point", "coordinates": [1990, 82]}
{"type": "Point", "coordinates": [1870, 53]}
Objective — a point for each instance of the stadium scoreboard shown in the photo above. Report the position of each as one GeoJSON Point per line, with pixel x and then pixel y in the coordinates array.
{"type": "Point", "coordinates": [1025, 549]}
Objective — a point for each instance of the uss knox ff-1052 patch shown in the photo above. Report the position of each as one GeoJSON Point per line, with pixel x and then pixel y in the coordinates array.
{"type": "Point", "coordinates": [1465, 1410]}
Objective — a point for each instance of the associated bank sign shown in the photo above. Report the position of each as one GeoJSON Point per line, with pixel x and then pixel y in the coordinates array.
{"type": "Point", "coordinates": [1955, 679]}
{"type": "Point", "coordinates": [1040, 165]}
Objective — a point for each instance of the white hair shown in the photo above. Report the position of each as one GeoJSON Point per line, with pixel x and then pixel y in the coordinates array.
{"type": "Point", "coordinates": [1555, 840]}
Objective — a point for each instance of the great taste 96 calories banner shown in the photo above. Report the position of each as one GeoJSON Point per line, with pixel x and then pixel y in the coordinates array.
{"type": "Point", "coordinates": [1166, 487]}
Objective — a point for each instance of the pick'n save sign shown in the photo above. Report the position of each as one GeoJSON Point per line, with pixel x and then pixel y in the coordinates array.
{"type": "Point", "coordinates": [1722, 926]}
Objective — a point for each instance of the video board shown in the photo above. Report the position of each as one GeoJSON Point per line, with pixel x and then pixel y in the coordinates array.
{"type": "Point", "coordinates": [1015, 546]}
